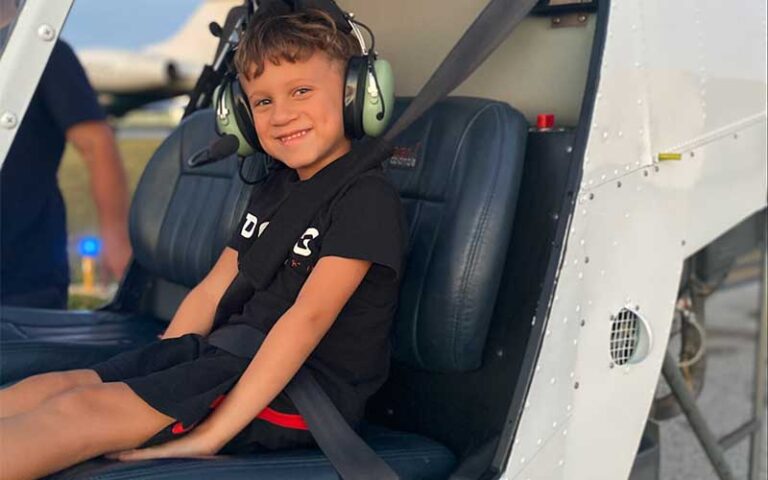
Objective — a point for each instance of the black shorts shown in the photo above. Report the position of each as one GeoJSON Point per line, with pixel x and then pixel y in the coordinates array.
{"type": "Point", "coordinates": [186, 378]}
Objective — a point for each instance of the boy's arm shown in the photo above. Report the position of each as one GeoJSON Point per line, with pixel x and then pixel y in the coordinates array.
{"type": "Point", "coordinates": [295, 335]}
{"type": "Point", "coordinates": [196, 312]}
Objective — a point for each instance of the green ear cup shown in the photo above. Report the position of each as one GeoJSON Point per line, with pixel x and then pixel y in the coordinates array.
{"type": "Point", "coordinates": [226, 121]}
{"type": "Point", "coordinates": [372, 106]}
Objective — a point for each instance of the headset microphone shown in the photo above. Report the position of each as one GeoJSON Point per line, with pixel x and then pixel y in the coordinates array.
{"type": "Point", "coordinates": [218, 150]}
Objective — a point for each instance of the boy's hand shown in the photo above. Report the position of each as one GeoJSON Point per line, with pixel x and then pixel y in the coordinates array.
{"type": "Point", "coordinates": [190, 445]}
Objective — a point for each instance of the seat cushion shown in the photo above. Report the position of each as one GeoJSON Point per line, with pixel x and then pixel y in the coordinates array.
{"type": "Point", "coordinates": [411, 456]}
{"type": "Point", "coordinates": [38, 340]}
{"type": "Point", "coordinates": [95, 327]}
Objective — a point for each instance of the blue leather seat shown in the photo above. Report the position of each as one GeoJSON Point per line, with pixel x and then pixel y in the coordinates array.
{"type": "Point", "coordinates": [458, 170]}
{"type": "Point", "coordinates": [411, 456]}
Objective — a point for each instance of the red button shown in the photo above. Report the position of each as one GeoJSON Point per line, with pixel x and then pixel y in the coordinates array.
{"type": "Point", "coordinates": [545, 120]}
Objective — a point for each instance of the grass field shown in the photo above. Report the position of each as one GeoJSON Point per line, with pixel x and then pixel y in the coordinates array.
{"type": "Point", "coordinates": [81, 212]}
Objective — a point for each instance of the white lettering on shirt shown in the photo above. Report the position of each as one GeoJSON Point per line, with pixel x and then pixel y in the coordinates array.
{"type": "Point", "coordinates": [302, 246]}
{"type": "Point", "coordinates": [262, 227]}
{"type": "Point", "coordinates": [249, 226]}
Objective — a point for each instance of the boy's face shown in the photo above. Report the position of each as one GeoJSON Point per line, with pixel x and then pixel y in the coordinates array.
{"type": "Point", "coordinates": [297, 111]}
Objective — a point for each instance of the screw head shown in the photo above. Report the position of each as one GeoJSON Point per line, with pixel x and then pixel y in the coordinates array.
{"type": "Point", "coordinates": [46, 32]}
{"type": "Point", "coordinates": [8, 120]}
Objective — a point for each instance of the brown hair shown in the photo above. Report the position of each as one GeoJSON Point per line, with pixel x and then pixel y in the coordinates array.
{"type": "Point", "coordinates": [291, 37]}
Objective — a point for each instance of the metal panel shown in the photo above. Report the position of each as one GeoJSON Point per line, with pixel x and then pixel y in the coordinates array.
{"type": "Point", "coordinates": [676, 77]}
{"type": "Point", "coordinates": [538, 69]}
{"type": "Point", "coordinates": [23, 61]}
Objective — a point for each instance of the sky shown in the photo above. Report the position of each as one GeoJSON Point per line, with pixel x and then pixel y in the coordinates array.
{"type": "Point", "coordinates": [129, 24]}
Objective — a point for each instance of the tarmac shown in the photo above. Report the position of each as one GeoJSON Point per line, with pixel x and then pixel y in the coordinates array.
{"type": "Point", "coordinates": [726, 400]}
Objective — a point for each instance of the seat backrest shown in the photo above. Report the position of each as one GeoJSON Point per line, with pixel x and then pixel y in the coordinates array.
{"type": "Point", "coordinates": [458, 170]}
{"type": "Point", "coordinates": [182, 217]}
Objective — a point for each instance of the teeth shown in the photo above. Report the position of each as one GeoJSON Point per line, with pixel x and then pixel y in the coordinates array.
{"type": "Point", "coordinates": [295, 135]}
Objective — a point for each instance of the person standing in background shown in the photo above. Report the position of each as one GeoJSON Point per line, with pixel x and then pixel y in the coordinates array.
{"type": "Point", "coordinates": [34, 269]}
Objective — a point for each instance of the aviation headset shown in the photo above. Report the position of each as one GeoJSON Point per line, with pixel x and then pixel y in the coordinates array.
{"type": "Point", "coordinates": [368, 87]}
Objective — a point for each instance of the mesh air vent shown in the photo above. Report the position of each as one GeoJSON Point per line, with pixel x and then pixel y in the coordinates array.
{"type": "Point", "coordinates": [630, 340]}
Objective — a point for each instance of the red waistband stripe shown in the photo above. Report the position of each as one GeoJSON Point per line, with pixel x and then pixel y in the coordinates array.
{"type": "Point", "coordinates": [285, 420]}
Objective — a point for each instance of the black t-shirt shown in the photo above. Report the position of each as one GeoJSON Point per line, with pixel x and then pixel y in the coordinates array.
{"type": "Point", "coordinates": [33, 232]}
{"type": "Point", "coordinates": [366, 221]}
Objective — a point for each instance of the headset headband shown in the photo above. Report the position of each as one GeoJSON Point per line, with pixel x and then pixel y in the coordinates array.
{"type": "Point", "coordinates": [282, 7]}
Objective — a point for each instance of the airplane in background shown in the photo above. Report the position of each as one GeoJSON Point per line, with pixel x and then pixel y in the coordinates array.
{"type": "Point", "coordinates": [126, 80]}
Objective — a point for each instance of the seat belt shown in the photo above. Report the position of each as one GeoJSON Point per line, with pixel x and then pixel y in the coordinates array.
{"type": "Point", "coordinates": [352, 458]}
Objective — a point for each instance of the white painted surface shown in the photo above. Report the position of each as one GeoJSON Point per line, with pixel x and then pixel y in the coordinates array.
{"type": "Point", "coordinates": [686, 77]}
{"type": "Point", "coordinates": [24, 60]}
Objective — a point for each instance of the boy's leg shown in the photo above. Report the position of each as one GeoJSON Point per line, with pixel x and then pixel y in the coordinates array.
{"type": "Point", "coordinates": [78, 424]}
{"type": "Point", "coordinates": [30, 392]}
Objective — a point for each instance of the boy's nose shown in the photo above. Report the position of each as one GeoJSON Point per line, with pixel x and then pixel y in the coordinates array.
{"type": "Point", "coordinates": [282, 113]}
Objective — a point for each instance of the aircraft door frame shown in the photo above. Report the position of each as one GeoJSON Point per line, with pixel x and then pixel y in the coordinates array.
{"type": "Point", "coordinates": [37, 28]}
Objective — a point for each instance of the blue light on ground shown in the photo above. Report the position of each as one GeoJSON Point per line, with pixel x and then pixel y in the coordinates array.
{"type": "Point", "coordinates": [90, 247]}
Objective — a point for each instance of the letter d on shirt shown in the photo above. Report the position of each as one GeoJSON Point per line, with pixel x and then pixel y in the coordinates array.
{"type": "Point", "coordinates": [249, 226]}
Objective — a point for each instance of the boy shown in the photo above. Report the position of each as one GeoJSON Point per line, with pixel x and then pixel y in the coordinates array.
{"type": "Point", "coordinates": [329, 306]}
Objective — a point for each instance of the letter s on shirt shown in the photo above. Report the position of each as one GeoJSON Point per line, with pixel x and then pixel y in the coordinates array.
{"type": "Point", "coordinates": [302, 246]}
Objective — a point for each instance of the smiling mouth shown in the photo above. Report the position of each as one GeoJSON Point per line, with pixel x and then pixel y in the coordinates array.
{"type": "Point", "coordinates": [293, 137]}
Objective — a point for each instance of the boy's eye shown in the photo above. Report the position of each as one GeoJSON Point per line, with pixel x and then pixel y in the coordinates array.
{"type": "Point", "coordinates": [262, 102]}
{"type": "Point", "coordinates": [302, 91]}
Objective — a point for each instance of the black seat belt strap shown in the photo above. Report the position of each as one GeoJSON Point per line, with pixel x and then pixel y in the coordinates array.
{"type": "Point", "coordinates": [348, 453]}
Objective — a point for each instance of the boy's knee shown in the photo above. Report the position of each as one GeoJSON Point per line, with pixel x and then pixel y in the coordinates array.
{"type": "Point", "coordinates": [90, 400]}
{"type": "Point", "coordinates": [81, 377]}
{"type": "Point", "coordinates": [69, 379]}
{"type": "Point", "coordinates": [106, 417]}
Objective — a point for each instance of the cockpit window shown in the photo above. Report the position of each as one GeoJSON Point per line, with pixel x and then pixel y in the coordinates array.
{"type": "Point", "coordinates": [9, 12]}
